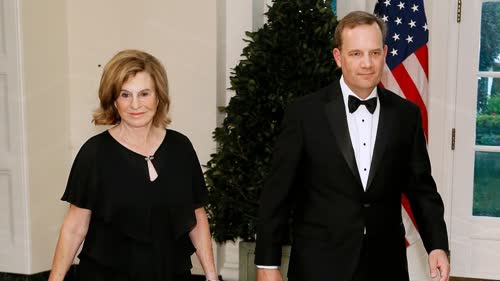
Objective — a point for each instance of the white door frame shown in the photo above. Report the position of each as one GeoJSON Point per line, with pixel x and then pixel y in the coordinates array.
{"type": "Point", "coordinates": [475, 241]}
{"type": "Point", "coordinates": [14, 231]}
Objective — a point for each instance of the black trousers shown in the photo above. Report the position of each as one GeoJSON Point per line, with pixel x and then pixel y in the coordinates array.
{"type": "Point", "coordinates": [366, 268]}
{"type": "Point", "coordinates": [361, 272]}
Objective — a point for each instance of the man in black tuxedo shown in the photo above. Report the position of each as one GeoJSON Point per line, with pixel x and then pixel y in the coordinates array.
{"type": "Point", "coordinates": [343, 159]}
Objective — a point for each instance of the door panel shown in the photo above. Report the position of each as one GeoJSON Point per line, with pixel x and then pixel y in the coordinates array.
{"type": "Point", "coordinates": [475, 212]}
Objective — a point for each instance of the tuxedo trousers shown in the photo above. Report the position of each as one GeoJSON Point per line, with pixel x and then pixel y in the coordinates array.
{"type": "Point", "coordinates": [372, 264]}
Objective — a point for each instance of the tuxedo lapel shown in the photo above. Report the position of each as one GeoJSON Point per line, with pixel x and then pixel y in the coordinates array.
{"type": "Point", "coordinates": [336, 116]}
{"type": "Point", "coordinates": [384, 129]}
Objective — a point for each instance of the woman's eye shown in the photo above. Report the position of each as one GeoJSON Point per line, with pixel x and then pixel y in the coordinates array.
{"type": "Point", "coordinates": [124, 94]}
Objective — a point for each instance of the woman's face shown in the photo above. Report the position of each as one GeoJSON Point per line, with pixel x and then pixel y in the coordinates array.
{"type": "Point", "coordinates": [137, 101]}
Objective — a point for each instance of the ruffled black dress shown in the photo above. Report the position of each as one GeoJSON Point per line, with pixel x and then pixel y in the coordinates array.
{"type": "Point", "coordinates": [138, 229]}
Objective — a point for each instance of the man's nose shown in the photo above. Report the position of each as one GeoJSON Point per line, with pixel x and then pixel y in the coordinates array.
{"type": "Point", "coordinates": [366, 61]}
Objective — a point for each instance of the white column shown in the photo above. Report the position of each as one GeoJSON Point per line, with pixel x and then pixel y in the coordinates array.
{"type": "Point", "coordinates": [346, 6]}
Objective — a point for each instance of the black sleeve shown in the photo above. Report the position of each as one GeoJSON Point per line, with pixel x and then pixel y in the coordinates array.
{"type": "Point", "coordinates": [199, 188]}
{"type": "Point", "coordinates": [275, 200]}
{"type": "Point", "coordinates": [425, 201]}
{"type": "Point", "coordinates": [81, 189]}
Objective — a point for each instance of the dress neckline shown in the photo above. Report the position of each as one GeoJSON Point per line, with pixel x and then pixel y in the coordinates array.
{"type": "Point", "coordinates": [163, 142]}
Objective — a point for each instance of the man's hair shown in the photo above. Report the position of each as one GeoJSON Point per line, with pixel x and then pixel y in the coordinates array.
{"type": "Point", "coordinates": [123, 66]}
{"type": "Point", "coordinates": [357, 18]}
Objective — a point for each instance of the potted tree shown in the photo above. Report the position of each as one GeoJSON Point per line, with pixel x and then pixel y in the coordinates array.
{"type": "Point", "coordinates": [290, 56]}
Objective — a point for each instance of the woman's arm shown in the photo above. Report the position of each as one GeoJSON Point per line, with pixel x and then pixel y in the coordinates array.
{"type": "Point", "coordinates": [73, 232]}
{"type": "Point", "coordinates": [202, 241]}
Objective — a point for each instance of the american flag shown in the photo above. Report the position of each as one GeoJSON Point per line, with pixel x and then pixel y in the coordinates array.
{"type": "Point", "coordinates": [407, 68]}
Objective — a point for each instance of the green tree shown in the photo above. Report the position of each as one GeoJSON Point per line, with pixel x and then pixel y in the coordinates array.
{"type": "Point", "coordinates": [290, 56]}
{"type": "Point", "coordinates": [495, 88]}
{"type": "Point", "coordinates": [488, 123]}
{"type": "Point", "coordinates": [490, 47]}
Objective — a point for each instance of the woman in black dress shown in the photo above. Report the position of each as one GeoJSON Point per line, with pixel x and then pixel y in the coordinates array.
{"type": "Point", "coordinates": [136, 191]}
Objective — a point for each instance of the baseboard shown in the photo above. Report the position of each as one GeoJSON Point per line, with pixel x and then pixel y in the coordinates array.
{"type": "Point", "coordinates": [42, 276]}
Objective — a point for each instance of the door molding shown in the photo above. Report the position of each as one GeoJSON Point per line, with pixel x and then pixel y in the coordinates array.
{"type": "Point", "coordinates": [15, 232]}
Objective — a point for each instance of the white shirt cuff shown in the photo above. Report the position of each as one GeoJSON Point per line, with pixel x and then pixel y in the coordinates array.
{"type": "Point", "coordinates": [267, 266]}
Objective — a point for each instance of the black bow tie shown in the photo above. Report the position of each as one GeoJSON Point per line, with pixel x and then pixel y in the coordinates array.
{"type": "Point", "coordinates": [354, 103]}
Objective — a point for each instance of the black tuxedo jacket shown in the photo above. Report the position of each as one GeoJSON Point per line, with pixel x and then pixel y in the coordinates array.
{"type": "Point", "coordinates": [315, 180]}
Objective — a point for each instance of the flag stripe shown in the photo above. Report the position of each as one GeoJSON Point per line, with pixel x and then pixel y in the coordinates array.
{"type": "Point", "coordinates": [410, 91]}
{"type": "Point", "coordinates": [407, 68]}
{"type": "Point", "coordinates": [417, 74]}
{"type": "Point", "coordinates": [389, 82]}
{"type": "Point", "coordinates": [409, 222]}
{"type": "Point", "coordinates": [423, 58]}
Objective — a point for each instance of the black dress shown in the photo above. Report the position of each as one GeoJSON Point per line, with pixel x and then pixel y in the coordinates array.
{"type": "Point", "coordinates": [138, 229]}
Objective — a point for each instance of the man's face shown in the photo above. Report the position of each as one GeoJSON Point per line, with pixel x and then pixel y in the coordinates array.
{"type": "Point", "coordinates": [361, 57]}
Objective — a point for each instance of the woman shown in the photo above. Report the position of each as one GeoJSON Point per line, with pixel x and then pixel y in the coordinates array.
{"type": "Point", "coordinates": [136, 191]}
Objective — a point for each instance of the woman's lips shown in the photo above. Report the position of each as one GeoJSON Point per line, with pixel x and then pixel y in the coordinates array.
{"type": "Point", "coordinates": [136, 114]}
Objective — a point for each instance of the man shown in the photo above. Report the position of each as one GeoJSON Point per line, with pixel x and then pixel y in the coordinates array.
{"type": "Point", "coordinates": [344, 157]}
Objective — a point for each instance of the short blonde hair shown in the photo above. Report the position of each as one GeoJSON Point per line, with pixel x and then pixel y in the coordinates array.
{"type": "Point", "coordinates": [118, 70]}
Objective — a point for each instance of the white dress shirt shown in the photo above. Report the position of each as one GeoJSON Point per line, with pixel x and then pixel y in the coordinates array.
{"type": "Point", "coordinates": [363, 131]}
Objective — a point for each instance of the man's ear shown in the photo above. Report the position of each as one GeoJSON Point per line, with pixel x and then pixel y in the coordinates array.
{"type": "Point", "coordinates": [336, 56]}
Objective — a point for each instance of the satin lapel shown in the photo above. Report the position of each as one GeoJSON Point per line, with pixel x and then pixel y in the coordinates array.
{"type": "Point", "coordinates": [335, 113]}
{"type": "Point", "coordinates": [384, 129]}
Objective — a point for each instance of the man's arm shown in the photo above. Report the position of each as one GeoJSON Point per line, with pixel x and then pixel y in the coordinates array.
{"type": "Point", "coordinates": [275, 198]}
{"type": "Point", "coordinates": [425, 201]}
{"type": "Point", "coordinates": [427, 205]}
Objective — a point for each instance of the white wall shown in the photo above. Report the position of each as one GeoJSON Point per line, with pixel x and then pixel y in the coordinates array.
{"type": "Point", "coordinates": [46, 95]}
{"type": "Point", "coordinates": [181, 34]}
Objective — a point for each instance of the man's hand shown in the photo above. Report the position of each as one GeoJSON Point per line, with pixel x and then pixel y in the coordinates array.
{"type": "Point", "coordinates": [264, 274]}
{"type": "Point", "coordinates": [438, 260]}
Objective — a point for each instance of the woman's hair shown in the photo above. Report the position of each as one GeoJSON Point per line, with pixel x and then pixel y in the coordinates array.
{"type": "Point", "coordinates": [357, 18]}
{"type": "Point", "coordinates": [118, 70]}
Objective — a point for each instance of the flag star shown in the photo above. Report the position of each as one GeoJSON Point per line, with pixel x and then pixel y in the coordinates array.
{"type": "Point", "coordinates": [395, 37]}
{"type": "Point", "coordinates": [414, 8]}
{"type": "Point", "coordinates": [401, 5]}
{"type": "Point", "coordinates": [398, 21]}
{"type": "Point", "coordinates": [387, 3]}
{"type": "Point", "coordinates": [385, 18]}
{"type": "Point", "coordinates": [394, 52]}
{"type": "Point", "coordinates": [412, 23]}
{"type": "Point", "coordinates": [425, 27]}
{"type": "Point", "coordinates": [409, 39]}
